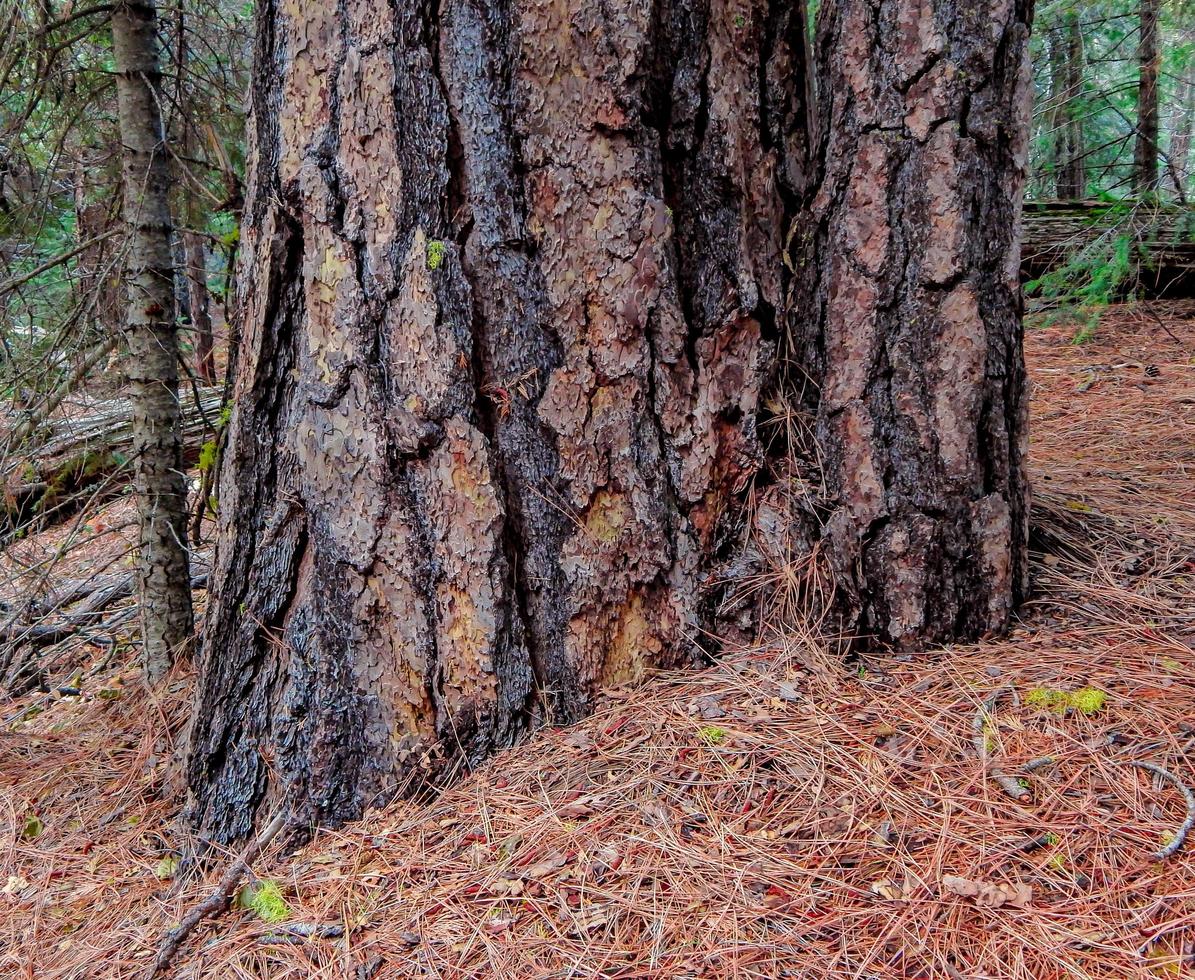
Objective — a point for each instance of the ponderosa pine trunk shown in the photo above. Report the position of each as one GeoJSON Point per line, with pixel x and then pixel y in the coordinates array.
{"type": "Point", "coordinates": [1145, 150]}
{"type": "Point", "coordinates": [916, 336]}
{"type": "Point", "coordinates": [152, 362]}
{"type": "Point", "coordinates": [512, 285]}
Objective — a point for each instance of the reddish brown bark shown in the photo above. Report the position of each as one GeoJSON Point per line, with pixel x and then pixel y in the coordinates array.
{"type": "Point", "coordinates": [1145, 151]}
{"type": "Point", "coordinates": [914, 255]}
{"type": "Point", "coordinates": [512, 285]}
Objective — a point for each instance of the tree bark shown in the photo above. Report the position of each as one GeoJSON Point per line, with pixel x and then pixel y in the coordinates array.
{"type": "Point", "coordinates": [153, 342]}
{"type": "Point", "coordinates": [914, 253]}
{"type": "Point", "coordinates": [511, 286]}
{"type": "Point", "coordinates": [1183, 117]}
{"type": "Point", "coordinates": [201, 314]}
{"type": "Point", "coordinates": [1145, 153]}
{"type": "Point", "coordinates": [1066, 75]}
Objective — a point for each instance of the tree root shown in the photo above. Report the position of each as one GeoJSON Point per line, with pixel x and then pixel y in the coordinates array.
{"type": "Point", "coordinates": [219, 899]}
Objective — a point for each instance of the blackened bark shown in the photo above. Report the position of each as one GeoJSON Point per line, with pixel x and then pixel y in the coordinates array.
{"type": "Point", "coordinates": [1145, 151]}
{"type": "Point", "coordinates": [921, 415]}
{"type": "Point", "coordinates": [152, 366]}
{"type": "Point", "coordinates": [512, 282]}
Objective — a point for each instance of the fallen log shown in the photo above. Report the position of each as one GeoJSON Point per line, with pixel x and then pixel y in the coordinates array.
{"type": "Point", "coordinates": [22, 639]}
{"type": "Point", "coordinates": [70, 458]}
{"type": "Point", "coordinates": [1054, 232]}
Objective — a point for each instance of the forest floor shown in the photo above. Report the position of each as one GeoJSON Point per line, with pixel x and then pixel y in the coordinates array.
{"type": "Point", "coordinates": [777, 814]}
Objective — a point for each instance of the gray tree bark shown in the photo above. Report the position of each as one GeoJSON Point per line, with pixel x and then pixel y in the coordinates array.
{"type": "Point", "coordinates": [152, 366]}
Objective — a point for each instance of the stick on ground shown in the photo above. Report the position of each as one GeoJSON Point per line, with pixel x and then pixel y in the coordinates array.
{"type": "Point", "coordinates": [218, 900]}
{"type": "Point", "coordinates": [1180, 835]}
{"type": "Point", "coordinates": [1010, 784]}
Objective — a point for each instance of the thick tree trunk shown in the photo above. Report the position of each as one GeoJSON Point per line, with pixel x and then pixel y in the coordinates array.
{"type": "Point", "coordinates": [512, 284]}
{"type": "Point", "coordinates": [153, 343]}
{"type": "Point", "coordinates": [1145, 153]}
{"type": "Point", "coordinates": [921, 415]}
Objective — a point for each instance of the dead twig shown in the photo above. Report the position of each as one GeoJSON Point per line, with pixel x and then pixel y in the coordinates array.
{"type": "Point", "coordinates": [1184, 829]}
{"type": "Point", "coordinates": [292, 932]}
{"type": "Point", "coordinates": [219, 899]}
{"type": "Point", "coordinates": [1009, 784]}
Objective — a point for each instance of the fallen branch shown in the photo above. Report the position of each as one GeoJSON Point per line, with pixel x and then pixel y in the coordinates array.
{"type": "Point", "coordinates": [1184, 829]}
{"type": "Point", "coordinates": [48, 476]}
{"type": "Point", "coordinates": [1009, 784]}
{"type": "Point", "coordinates": [293, 932]}
{"type": "Point", "coordinates": [219, 899]}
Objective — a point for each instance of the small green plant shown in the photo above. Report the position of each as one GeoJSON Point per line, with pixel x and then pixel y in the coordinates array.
{"type": "Point", "coordinates": [435, 254]}
{"type": "Point", "coordinates": [712, 735]}
{"type": "Point", "coordinates": [264, 899]}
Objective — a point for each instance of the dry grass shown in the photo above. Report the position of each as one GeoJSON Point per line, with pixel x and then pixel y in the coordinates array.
{"type": "Point", "coordinates": [773, 816]}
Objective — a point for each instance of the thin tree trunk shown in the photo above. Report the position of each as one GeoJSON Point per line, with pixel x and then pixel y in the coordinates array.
{"type": "Point", "coordinates": [194, 252]}
{"type": "Point", "coordinates": [1145, 154]}
{"type": "Point", "coordinates": [1184, 108]}
{"type": "Point", "coordinates": [921, 414]}
{"type": "Point", "coordinates": [201, 315]}
{"type": "Point", "coordinates": [1069, 144]}
{"type": "Point", "coordinates": [512, 283]}
{"type": "Point", "coordinates": [153, 342]}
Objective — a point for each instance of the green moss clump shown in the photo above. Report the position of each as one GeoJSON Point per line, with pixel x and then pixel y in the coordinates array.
{"type": "Point", "coordinates": [166, 868]}
{"type": "Point", "coordinates": [712, 735]}
{"type": "Point", "coordinates": [1086, 700]}
{"type": "Point", "coordinates": [264, 899]}
{"type": "Point", "coordinates": [435, 254]}
{"type": "Point", "coordinates": [207, 455]}
{"type": "Point", "coordinates": [32, 827]}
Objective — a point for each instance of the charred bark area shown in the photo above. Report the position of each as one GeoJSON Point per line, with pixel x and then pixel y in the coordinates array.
{"type": "Point", "coordinates": [916, 338]}
{"type": "Point", "coordinates": [512, 281]}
